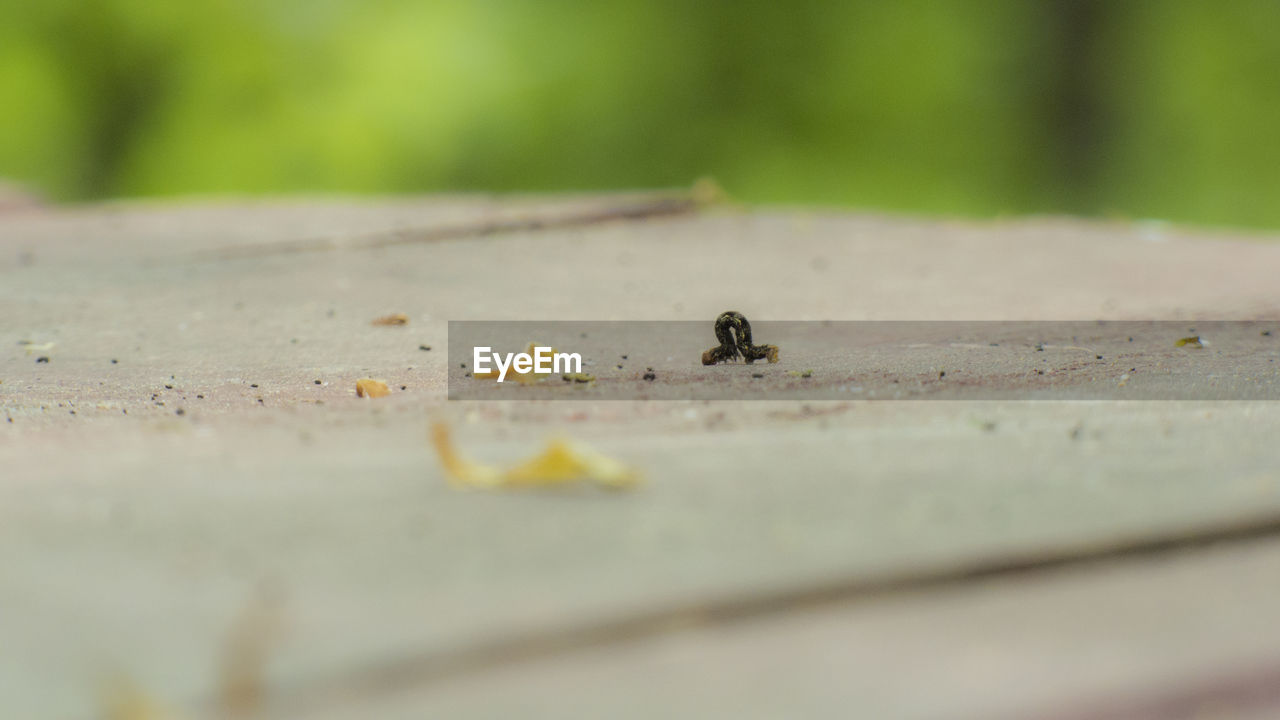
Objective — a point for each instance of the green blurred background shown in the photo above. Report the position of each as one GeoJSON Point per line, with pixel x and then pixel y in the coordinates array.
{"type": "Point", "coordinates": [1156, 108]}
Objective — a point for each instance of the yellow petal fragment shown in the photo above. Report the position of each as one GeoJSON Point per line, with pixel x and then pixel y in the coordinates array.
{"type": "Point", "coordinates": [368, 387]}
{"type": "Point", "coordinates": [124, 700]}
{"type": "Point", "coordinates": [1192, 342]}
{"type": "Point", "coordinates": [460, 470]}
{"type": "Point", "coordinates": [559, 464]}
{"type": "Point", "coordinates": [242, 676]}
{"type": "Point", "coordinates": [396, 319]}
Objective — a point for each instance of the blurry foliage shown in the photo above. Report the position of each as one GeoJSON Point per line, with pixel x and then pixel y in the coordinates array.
{"type": "Point", "coordinates": [1148, 108]}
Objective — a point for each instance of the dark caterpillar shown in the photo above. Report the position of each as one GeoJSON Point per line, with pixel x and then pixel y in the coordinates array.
{"type": "Point", "coordinates": [733, 331]}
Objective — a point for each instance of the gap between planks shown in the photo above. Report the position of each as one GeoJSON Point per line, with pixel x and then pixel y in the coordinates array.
{"type": "Point", "coordinates": [658, 206]}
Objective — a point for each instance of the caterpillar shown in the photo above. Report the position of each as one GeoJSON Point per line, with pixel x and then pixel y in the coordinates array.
{"type": "Point", "coordinates": [733, 332]}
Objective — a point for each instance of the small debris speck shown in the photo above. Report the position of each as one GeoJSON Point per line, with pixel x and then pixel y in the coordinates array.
{"type": "Point", "coordinates": [1265, 333]}
{"type": "Point", "coordinates": [254, 385]}
{"type": "Point", "coordinates": [462, 365]}
{"type": "Point", "coordinates": [317, 382]}
{"type": "Point", "coordinates": [404, 387]}
{"type": "Point", "coordinates": [650, 376]}
{"type": "Point", "coordinates": [1039, 347]}
{"type": "Point", "coordinates": [757, 375]}
{"type": "Point", "coordinates": [179, 411]}
{"type": "Point", "coordinates": [168, 387]}
{"type": "Point", "coordinates": [619, 366]}
{"type": "Point", "coordinates": [114, 361]}
{"type": "Point", "coordinates": [1099, 357]}
{"type": "Point", "coordinates": [42, 359]}
{"type": "Point", "coordinates": [199, 397]}
{"type": "Point", "coordinates": [425, 348]}
{"type": "Point", "coordinates": [942, 374]}
{"type": "Point", "coordinates": [624, 357]}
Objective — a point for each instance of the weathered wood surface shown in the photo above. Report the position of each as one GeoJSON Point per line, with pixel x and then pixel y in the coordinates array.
{"type": "Point", "coordinates": [915, 559]}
